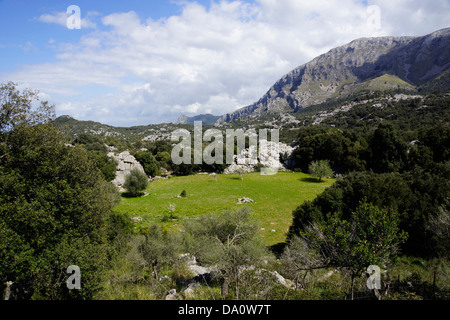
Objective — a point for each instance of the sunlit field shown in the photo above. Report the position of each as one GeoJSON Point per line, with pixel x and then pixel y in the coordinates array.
{"type": "Point", "coordinates": [275, 197]}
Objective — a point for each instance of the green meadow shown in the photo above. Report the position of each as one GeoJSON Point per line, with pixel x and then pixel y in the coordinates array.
{"type": "Point", "coordinates": [275, 197]}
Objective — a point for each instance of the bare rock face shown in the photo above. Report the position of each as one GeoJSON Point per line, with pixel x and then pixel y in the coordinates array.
{"type": "Point", "coordinates": [125, 164]}
{"type": "Point", "coordinates": [274, 155]}
{"type": "Point", "coordinates": [341, 71]}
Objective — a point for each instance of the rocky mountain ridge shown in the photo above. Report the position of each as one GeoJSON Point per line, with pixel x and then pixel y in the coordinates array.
{"type": "Point", "coordinates": [383, 63]}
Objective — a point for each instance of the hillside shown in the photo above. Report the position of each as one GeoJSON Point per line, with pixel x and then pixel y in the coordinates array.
{"type": "Point", "coordinates": [207, 119]}
{"type": "Point", "coordinates": [153, 132]}
{"type": "Point", "coordinates": [369, 64]}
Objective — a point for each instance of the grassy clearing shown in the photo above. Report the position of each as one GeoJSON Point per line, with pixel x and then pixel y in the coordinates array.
{"type": "Point", "coordinates": [275, 198]}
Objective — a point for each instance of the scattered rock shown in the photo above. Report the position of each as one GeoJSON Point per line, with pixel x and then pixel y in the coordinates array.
{"type": "Point", "coordinates": [245, 200]}
{"type": "Point", "coordinates": [172, 295]}
{"type": "Point", "coordinates": [189, 291]}
{"type": "Point", "coordinates": [281, 280]}
{"type": "Point", "coordinates": [164, 278]}
{"type": "Point", "coordinates": [192, 265]}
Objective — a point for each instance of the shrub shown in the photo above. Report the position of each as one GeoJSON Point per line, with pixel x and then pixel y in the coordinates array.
{"type": "Point", "coordinates": [136, 182]}
{"type": "Point", "coordinates": [320, 169]}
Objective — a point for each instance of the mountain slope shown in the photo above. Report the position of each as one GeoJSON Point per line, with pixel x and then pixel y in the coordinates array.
{"type": "Point", "coordinates": [206, 119]}
{"type": "Point", "coordinates": [152, 132]}
{"type": "Point", "coordinates": [383, 63]}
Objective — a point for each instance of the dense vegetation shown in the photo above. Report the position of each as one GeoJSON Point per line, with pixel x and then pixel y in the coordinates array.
{"type": "Point", "coordinates": [55, 205]}
{"type": "Point", "coordinates": [388, 206]}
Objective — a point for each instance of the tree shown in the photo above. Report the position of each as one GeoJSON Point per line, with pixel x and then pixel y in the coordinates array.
{"type": "Point", "coordinates": [440, 226]}
{"type": "Point", "coordinates": [135, 182]}
{"type": "Point", "coordinates": [54, 205]}
{"type": "Point", "coordinates": [320, 169]}
{"type": "Point", "coordinates": [437, 139]}
{"type": "Point", "coordinates": [388, 152]}
{"type": "Point", "coordinates": [17, 108]}
{"type": "Point", "coordinates": [370, 237]}
{"type": "Point", "coordinates": [148, 161]}
{"type": "Point", "coordinates": [105, 164]}
{"type": "Point", "coordinates": [297, 261]}
{"type": "Point", "coordinates": [153, 250]}
{"type": "Point", "coordinates": [228, 240]}
{"type": "Point", "coordinates": [414, 195]}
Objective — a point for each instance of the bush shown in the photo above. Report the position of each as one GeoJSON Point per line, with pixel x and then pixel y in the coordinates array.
{"type": "Point", "coordinates": [136, 182]}
{"type": "Point", "coordinates": [389, 190]}
{"type": "Point", "coordinates": [148, 161]}
{"type": "Point", "coordinates": [320, 169]}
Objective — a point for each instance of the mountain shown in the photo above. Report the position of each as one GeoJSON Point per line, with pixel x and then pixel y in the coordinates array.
{"type": "Point", "coordinates": [152, 132]}
{"type": "Point", "coordinates": [207, 119]}
{"type": "Point", "coordinates": [367, 64]}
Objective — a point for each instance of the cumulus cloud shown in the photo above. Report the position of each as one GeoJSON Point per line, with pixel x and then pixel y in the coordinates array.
{"type": "Point", "coordinates": [133, 70]}
{"type": "Point", "coordinates": [61, 19]}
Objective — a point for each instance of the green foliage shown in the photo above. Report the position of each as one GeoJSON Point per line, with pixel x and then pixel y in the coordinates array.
{"type": "Point", "coordinates": [105, 164]}
{"type": "Point", "coordinates": [406, 116]}
{"type": "Point", "coordinates": [388, 153]}
{"type": "Point", "coordinates": [152, 251]}
{"type": "Point", "coordinates": [437, 140]}
{"type": "Point", "coordinates": [53, 219]}
{"type": "Point", "coordinates": [369, 237]}
{"type": "Point", "coordinates": [228, 239]}
{"type": "Point", "coordinates": [91, 142]}
{"type": "Point", "coordinates": [320, 169]}
{"type": "Point", "coordinates": [415, 196]}
{"type": "Point", "coordinates": [274, 202]}
{"type": "Point", "coordinates": [135, 182]}
{"type": "Point", "coordinates": [54, 205]}
{"type": "Point", "coordinates": [344, 150]}
{"type": "Point", "coordinates": [148, 161]}
{"type": "Point", "coordinates": [18, 108]}
{"type": "Point", "coordinates": [163, 157]}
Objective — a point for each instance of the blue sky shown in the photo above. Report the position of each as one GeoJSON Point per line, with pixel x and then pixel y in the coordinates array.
{"type": "Point", "coordinates": [139, 62]}
{"type": "Point", "coordinates": [27, 38]}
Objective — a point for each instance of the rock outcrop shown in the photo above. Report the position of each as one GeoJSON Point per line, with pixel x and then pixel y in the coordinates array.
{"type": "Point", "coordinates": [125, 164]}
{"type": "Point", "coordinates": [273, 155]}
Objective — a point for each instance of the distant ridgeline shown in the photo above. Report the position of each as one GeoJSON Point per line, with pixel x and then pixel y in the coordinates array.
{"type": "Point", "coordinates": [206, 119]}
{"type": "Point", "coordinates": [384, 71]}
{"type": "Point", "coordinates": [403, 64]}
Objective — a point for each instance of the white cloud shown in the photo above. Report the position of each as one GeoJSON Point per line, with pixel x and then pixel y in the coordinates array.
{"type": "Point", "coordinates": [61, 18]}
{"type": "Point", "coordinates": [207, 60]}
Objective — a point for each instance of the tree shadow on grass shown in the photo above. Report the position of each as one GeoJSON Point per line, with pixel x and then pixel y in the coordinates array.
{"type": "Point", "coordinates": [278, 249]}
{"type": "Point", "coordinates": [132, 195]}
{"type": "Point", "coordinates": [311, 180]}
